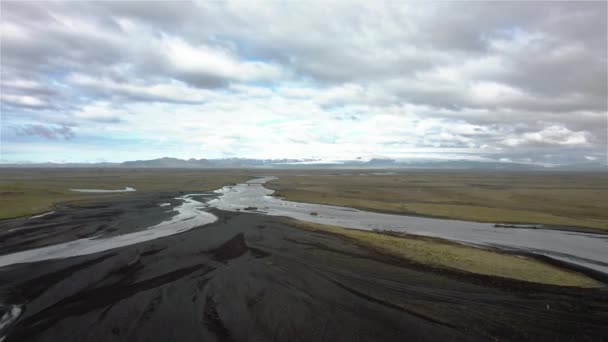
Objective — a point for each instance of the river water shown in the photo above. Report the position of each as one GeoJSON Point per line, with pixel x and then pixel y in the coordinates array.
{"type": "Point", "coordinates": [584, 249]}
{"type": "Point", "coordinates": [188, 215]}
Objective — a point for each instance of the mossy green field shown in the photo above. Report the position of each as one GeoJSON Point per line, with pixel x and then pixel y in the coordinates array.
{"type": "Point", "coordinates": [443, 254]}
{"type": "Point", "coordinates": [549, 198]}
{"type": "Point", "coordinates": [30, 191]}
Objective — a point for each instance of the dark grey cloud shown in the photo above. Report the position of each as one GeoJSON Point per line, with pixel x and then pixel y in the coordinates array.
{"type": "Point", "coordinates": [339, 45]}
{"type": "Point", "coordinates": [36, 41]}
{"type": "Point", "coordinates": [529, 75]}
{"type": "Point", "coordinates": [48, 132]}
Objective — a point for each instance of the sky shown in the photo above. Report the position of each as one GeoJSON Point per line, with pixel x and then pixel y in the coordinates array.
{"type": "Point", "coordinates": [489, 81]}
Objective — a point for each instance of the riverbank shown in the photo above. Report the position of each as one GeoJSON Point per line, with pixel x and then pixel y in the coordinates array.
{"type": "Point", "coordinates": [560, 200]}
{"type": "Point", "coordinates": [254, 277]}
{"type": "Point", "coordinates": [576, 250]}
{"type": "Point", "coordinates": [443, 254]}
{"type": "Point", "coordinates": [25, 192]}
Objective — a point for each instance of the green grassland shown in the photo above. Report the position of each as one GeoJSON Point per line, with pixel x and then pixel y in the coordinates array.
{"type": "Point", "coordinates": [29, 191]}
{"type": "Point", "coordinates": [443, 254]}
{"type": "Point", "coordinates": [551, 198]}
{"type": "Point", "coordinates": [547, 198]}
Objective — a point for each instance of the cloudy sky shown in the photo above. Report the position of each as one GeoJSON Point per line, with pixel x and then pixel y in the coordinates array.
{"type": "Point", "coordinates": [114, 81]}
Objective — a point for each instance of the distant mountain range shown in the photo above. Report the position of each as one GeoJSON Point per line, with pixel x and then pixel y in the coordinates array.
{"type": "Point", "coordinates": [378, 163]}
{"type": "Point", "coordinates": [207, 163]}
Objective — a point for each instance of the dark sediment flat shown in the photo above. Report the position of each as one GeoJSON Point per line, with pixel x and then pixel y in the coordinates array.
{"type": "Point", "coordinates": [250, 277]}
{"type": "Point", "coordinates": [76, 221]}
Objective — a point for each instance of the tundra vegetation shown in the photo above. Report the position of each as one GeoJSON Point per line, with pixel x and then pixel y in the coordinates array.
{"type": "Point", "coordinates": [29, 191]}
{"type": "Point", "coordinates": [443, 254]}
{"type": "Point", "coordinates": [573, 199]}
{"type": "Point", "coordinates": [562, 199]}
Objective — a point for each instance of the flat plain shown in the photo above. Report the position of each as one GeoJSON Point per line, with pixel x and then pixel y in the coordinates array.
{"type": "Point", "coordinates": [571, 199]}
{"type": "Point", "coordinates": [253, 276]}
{"type": "Point", "coordinates": [30, 191]}
{"type": "Point", "coordinates": [445, 255]}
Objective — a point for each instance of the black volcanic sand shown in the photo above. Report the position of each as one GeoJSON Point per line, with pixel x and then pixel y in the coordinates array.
{"type": "Point", "coordinates": [84, 220]}
{"type": "Point", "coordinates": [250, 277]}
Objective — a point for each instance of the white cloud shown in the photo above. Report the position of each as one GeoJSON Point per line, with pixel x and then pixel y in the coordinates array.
{"type": "Point", "coordinates": [204, 61]}
{"type": "Point", "coordinates": [495, 93]}
{"type": "Point", "coordinates": [22, 84]}
{"type": "Point", "coordinates": [23, 100]}
{"type": "Point", "coordinates": [304, 80]}
{"type": "Point", "coordinates": [100, 111]}
{"type": "Point", "coordinates": [552, 135]}
{"type": "Point", "coordinates": [170, 91]}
